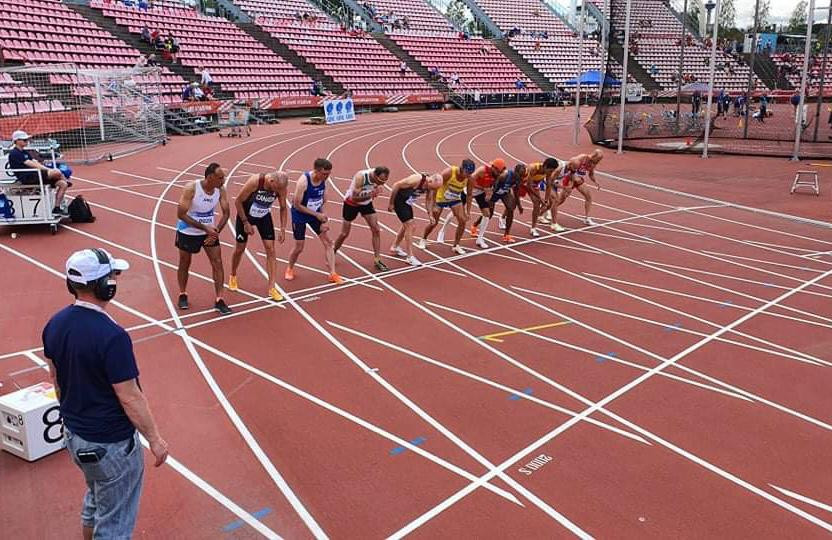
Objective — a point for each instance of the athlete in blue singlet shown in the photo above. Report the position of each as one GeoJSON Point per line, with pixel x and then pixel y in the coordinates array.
{"type": "Point", "coordinates": [307, 209]}
{"type": "Point", "coordinates": [506, 190]}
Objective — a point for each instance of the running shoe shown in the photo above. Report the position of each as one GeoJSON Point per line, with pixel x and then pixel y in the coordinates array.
{"type": "Point", "coordinates": [534, 232]}
{"type": "Point", "coordinates": [502, 224]}
{"type": "Point", "coordinates": [232, 283]}
{"type": "Point", "coordinates": [544, 219]}
{"type": "Point", "coordinates": [458, 250]}
{"type": "Point", "coordinates": [507, 239]}
{"type": "Point", "coordinates": [58, 211]}
{"type": "Point", "coordinates": [222, 307]}
{"type": "Point", "coordinates": [400, 252]}
{"type": "Point", "coordinates": [421, 243]}
{"type": "Point", "coordinates": [289, 274]}
{"type": "Point", "coordinates": [413, 261]}
{"type": "Point", "coordinates": [336, 279]}
{"type": "Point", "coordinates": [474, 230]}
{"type": "Point", "coordinates": [557, 227]}
{"type": "Point", "coordinates": [275, 294]}
{"type": "Point", "coordinates": [182, 303]}
{"type": "Point", "coordinates": [380, 266]}
{"type": "Point", "coordinates": [589, 221]}
{"type": "Point", "coordinates": [481, 243]}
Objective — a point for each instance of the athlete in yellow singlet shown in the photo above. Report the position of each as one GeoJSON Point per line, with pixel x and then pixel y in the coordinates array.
{"type": "Point", "coordinates": [540, 177]}
{"type": "Point", "coordinates": [456, 181]}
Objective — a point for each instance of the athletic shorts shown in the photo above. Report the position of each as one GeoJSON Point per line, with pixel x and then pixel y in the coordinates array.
{"type": "Point", "coordinates": [571, 181]}
{"type": "Point", "coordinates": [350, 211]}
{"type": "Point", "coordinates": [451, 204]}
{"type": "Point", "coordinates": [192, 243]}
{"type": "Point", "coordinates": [33, 177]}
{"type": "Point", "coordinates": [403, 210]}
{"type": "Point", "coordinates": [482, 201]}
{"type": "Point", "coordinates": [264, 226]}
{"type": "Point", "coordinates": [299, 227]}
{"type": "Point", "coordinates": [499, 197]}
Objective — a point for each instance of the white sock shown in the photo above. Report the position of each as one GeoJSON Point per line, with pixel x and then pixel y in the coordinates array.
{"type": "Point", "coordinates": [445, 222]}
{"type": "Point", "coordinates": [483, 227]}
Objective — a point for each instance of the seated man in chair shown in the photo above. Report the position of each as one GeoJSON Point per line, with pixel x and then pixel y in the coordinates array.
{"type": "Point", "coordinates": [30, 172]}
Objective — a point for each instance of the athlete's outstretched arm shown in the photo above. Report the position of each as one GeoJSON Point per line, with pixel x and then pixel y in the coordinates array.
{"type": "Point", "coordinates": [430, 202]}
{"type": "Point", "coordinates": [282, 189]}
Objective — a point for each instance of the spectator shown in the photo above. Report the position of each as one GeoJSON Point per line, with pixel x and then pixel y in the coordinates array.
{"type": "Point", "coordinates": [143, 5]}
{"type": "Point", "coordinates": [94, 372]}
{"type": "Point", "coordinates": [519, 84]}
{"type": "Point", "coordinates": [172, 47]}
{"type": "Point", "coordinates": [477, 97]}
{"type": "Point", "coordinates": [197, 94]}
{"type": "Point", "coordinates": [30, 172]}
{"type": "Point", "coordinates": [187, 92]}
{"type": "Point", "coordinates": [434, 73]}
{"type": "Point", "coordinates": [537, 45]}
{"type": "Point", "coordinates": [654, 70]}
{"type": "Point", "coordinates": [206, 79]}
{"type": "Point", "coordinates": [406, 22]}
{"type": "Point", "coordinates": [763, 108]}
{"type": "Point", "coordinates": [146, 35]}
{"type": "Point", "coordinates": [403, 68]}
{"type": "Point", "coordinates": [696, 102]}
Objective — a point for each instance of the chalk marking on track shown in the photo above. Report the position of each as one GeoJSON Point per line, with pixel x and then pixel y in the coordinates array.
{"type": "Point", "coordinates": [447, 503]}
{"type": "Point", "coordinates": [489, 382]}
{"type": "Point", "coordinates": [803, 498]}
{"type": "Point", "coordinates": [589, 352]}
{"type": "Point", "coordinates": [496, 336]}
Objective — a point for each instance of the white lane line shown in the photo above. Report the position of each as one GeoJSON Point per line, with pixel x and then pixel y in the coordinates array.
{"type": "Point", "coordinates": [722, 303]}
{"type": "Point", "coordinates": [783, 265]}
{"type": "Point", "coordinates": [681, 329]}
{"type": "Point", "coordinates": [483, 380]}
{"type": "Point", "coordinates": [176, 465]}
{"type": "Point", "coordinates": [242, 428]}
{"type": "Point", "coordinates": [803, 498]}
{"type": "Point", "coordinates": [413, 525]}
{"type": "Point", "coordinates": [735, 278]}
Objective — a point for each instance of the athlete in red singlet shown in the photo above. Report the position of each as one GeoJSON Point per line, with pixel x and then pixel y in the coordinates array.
{"type": "Point", "coordinates": [575, 173]}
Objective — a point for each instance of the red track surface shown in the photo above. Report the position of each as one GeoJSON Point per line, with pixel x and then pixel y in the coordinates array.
{"type": "Point", "coordinates": [712, 393]}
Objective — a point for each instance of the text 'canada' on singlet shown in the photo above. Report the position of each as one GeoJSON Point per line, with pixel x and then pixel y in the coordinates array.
{"type": "Point", "coordinates": [258, 204]}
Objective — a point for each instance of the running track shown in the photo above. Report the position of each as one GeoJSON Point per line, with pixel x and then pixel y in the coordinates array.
{"type": "Point", "coordinates": [671, 364]}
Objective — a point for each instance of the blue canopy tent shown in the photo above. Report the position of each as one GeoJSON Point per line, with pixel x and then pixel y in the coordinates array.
{"type": "Point", "coordinates": [594, 78]}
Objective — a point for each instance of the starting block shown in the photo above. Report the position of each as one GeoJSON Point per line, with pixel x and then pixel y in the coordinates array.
{"type": "Point", "coordinates": [30, 422]}
{"type": "Point", "coordinates": [806, 179]}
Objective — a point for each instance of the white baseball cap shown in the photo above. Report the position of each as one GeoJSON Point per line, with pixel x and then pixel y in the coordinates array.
{"type": "Point", "coordinates": [19, 134]}
{"type": "Point", "coordinates": [84, 266]}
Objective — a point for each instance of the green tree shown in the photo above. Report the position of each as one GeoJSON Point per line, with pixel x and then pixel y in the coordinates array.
{"type": "Point", "coordinates": [797, 21]}
{"type": "Point", "coordinates": [727, 15]}
{"type": "Point", "coordinates": [765, 15]}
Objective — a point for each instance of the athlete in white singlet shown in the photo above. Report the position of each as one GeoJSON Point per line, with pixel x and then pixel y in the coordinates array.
{"type": "Point", "coordinates": [196, 229]}
{"type": "Point", "coordinates": [365, 187]}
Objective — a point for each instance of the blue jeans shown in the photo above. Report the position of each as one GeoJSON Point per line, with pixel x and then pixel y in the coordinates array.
{"type": "Point", "coordinates": [114, 485]}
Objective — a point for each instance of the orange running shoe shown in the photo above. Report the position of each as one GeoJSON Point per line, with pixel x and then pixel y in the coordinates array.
{"type": "Point", "coordinates": [508, 239]}
{"type": "Point", "coordinates": [336, 279]}
{"type": "Point", "coordinates": [289, 275]}
{"type": "Point", "coordinates": [474, 230]}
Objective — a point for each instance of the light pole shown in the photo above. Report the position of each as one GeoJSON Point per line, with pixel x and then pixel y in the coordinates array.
{"type": "Point", "coordinates": [622, 89]}
{"type": "Point", "coordinates": [681, 65]}
{"type": "Point", "coordinates": [751, 72]}
{"type": "Point", "coordinates": [580, 68]}
{"type": "Point", "coordinates": [823, 68]}
{"type": "Point", "coordinates": [714, 34]}
{"type": "Point", "coordinates": [798, 124]}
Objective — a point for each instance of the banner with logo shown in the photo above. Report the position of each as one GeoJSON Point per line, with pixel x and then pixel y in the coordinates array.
{"type": "Point", "coordinates": [337, 111]}
{"type": "Point", "coordinates": [635, 92]}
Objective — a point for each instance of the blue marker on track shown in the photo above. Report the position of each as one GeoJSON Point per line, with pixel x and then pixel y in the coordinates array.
{"type": "Point", "coordinates": [401, 449]}
{"type": "Point", "coordinates": [234, 525]}
{"type": "Point", "coordinates": [515, 397]}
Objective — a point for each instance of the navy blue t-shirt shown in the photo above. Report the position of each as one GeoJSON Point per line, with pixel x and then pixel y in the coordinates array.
{"type": "Point", "coordinates": [91, 353]}
{"type": "Point", "coordinates": [17, 159]}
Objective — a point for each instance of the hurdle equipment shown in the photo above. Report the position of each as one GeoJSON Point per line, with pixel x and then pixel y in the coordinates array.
{"type": "Point", "coordinates": [30, 422]}
{"type": "Point", "coordinates": [806, 180]}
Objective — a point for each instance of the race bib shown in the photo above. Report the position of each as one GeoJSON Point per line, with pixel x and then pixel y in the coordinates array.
{"type": "Point", "coordinates": [315, 204]}
{"type": "Point", "coordinates": [205, 218]}
{"type": "Point", "coordinates": [257, 211]}
{"type": "Point", "coordinates": [453, 195]}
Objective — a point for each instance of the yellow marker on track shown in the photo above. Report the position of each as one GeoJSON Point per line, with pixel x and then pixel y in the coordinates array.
{"type": "Point", "coordinates": [496, 337]}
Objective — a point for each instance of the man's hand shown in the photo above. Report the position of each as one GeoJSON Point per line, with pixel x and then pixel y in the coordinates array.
{"type": "Point", "coordinates": [321, 217]}
{"type": "Point", "coordinates": [159, 448]}
{"type": "Point", "coordinates": [211, 235]}
{"type": "Point", "coordinates": [249, 228]}
{"type": "Point", "coordinates": [281, 236]}
{"type": "Point", "coordinates": [390, 206]}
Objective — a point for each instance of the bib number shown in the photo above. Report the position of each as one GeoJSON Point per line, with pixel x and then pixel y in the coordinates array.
{"type": "Point", "coordinates": [256, 211]}
{"type": "Point", "coordinates": [314, 204]}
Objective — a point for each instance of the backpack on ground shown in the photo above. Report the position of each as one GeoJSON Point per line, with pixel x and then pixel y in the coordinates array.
{"type": "Point", "coordinates": [79, 211]}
